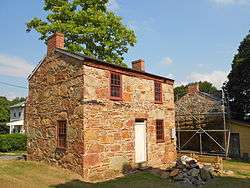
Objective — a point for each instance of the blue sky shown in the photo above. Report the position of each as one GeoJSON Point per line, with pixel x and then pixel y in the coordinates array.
{"type": "Point", "coordinates": [187, 40]}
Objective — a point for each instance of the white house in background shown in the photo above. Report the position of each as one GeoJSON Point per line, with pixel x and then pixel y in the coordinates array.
{"type": "Point", "coordinates": [16, 118]}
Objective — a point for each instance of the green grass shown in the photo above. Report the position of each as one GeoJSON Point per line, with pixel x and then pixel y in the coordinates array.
{"type": "Point", "coordinates": [240, 168]}
{"type": "Point", "coordinates": [32, 174]}
{"type": "Point", "coordinates": [13, 153]}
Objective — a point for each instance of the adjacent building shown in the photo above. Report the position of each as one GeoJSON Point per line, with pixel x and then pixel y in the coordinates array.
{"type": "Point", "coordinates": [96, 118]}
{"type": "Point", "coordinates": [201, 122]}
{"type": "Point", "coordinates": [239, 139]}
{"type": "Point", "coordinates": [16, 124]}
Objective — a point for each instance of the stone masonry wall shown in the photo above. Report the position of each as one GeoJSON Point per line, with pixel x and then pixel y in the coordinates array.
{"type": "Point", "coordinates": [203, 110]}
{"type": "Point", "coordinates": [109, 125]}
{"type": "Point", "coordinates": [55, 92]}
{"type": "Point", "coordinates": [100, 132]}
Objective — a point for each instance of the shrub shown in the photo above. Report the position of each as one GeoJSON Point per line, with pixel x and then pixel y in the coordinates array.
{"type": "Point", "coordinates": [12, 142]}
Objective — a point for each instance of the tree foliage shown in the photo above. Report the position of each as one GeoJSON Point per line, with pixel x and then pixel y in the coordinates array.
{"type": "Point", "coordinates": [88, 26]}
{"type": "Point", "coordinates": [205, 86]}
{"type": "Point", "coordinates": [238, 85]}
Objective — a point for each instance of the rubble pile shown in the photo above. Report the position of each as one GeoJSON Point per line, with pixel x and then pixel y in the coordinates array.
{"type": "Point", "coordinates": [188, 171]}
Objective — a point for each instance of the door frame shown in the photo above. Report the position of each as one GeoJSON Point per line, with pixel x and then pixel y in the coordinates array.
{"type": "Point", "coordinates": [231, 137]}
{"type": "Point", "coordinates": [146, 139]}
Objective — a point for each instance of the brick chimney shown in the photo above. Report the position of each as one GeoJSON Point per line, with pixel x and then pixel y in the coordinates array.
{"type": "Point", "coordinates": [138, 65]}
{"type": "Point", "coordinates": [55, 41]}
{"type": "Point", "coordinates": [193, 88]}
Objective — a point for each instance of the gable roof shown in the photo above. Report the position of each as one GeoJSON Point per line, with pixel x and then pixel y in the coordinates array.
{"type": "Point", "coordinates": [82, 57]}
{"type": "Point", "coordinates": [20, 104]}
{"type": "Point", "coordinates": [213, 97]}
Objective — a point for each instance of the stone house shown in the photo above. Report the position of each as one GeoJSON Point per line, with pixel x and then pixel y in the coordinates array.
{"type": "Point", "coordinates": [96, 118]}
{"type": "Point", "coordinates": [16, 118]}
{"type": "Point", "coordinates": [200, 111]}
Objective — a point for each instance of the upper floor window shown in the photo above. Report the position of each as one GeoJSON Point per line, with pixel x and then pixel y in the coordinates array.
{"type": "Point", "coordinates": [115, 86]}
{"type": "Point", "coordinates": [62, 134]}
{"type": "Point", "coordinates": [158, 92]}
{"type": "Point", "coordinates": [19, 114]}
{"type": "Point", "coordinates": [159, 130]}
{"type": "Point", "coordinates": [14, 114]}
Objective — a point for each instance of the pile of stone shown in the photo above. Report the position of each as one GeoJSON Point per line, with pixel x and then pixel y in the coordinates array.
{"type": "Point", "coordinates": [189, 171]}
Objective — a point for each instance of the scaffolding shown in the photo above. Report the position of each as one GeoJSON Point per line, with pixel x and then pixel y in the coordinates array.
{"type": "Point", "coordinates": [204, 133]}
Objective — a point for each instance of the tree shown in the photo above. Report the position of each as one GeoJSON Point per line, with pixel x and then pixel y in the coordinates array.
{"type": "Point", "coordinates": [205, 86]}
{"type": "Point", "coordinates": [4, 109]}
{"type": "Point", "coordinates": [88, 26]}
{"type": "Point", "coordinates": [238, 86]}
{"type": "Point", "coordinates": [179, 92]}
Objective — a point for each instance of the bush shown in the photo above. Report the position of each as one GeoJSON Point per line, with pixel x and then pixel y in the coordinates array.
{"type": "Point", "coordinates": [12, 142]}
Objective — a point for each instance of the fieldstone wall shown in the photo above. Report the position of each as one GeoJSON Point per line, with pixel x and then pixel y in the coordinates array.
{"type": "Point", "coordinates": [109, 125]}
{"type": "Point", "coordinates": [197, 103]}
{"type": "Point", "coordinates": [55, 92]}
{"type": "Point", "coordinates": [100, 131]}
{"type": "Point", "coordinates": [194, 111]}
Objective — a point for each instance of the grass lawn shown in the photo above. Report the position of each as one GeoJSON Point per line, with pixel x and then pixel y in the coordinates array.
{"type": "Point", "coordinates": [31, 174]}
{"type": "Point", "coordinates": [13, 153]}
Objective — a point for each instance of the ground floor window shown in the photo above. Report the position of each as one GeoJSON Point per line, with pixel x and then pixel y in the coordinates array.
{"type": "Point", "coordinates": [62, 134]}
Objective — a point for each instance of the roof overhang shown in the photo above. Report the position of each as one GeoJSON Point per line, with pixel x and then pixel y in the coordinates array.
{"type": "Point", "coordinates": [14, 123]}
{"type": "Point", "coordinates": [84, 58]}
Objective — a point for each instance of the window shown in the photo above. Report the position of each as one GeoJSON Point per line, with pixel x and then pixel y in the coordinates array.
{"type": "Point", "coordinates": [61, 134]}
{"type": "Point", "coordinates": [115, 86]}
{"type": "Point", "coordinates": [159, 131]}
{"type": "Point", "coordinates": [158, 92]}
{"type": "Point", "coordinates": [19, 114]}
{"type": "Point", "coordinates": [14, 114]}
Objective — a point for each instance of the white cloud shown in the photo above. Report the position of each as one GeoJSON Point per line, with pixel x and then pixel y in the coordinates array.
{"type": "Point", "coordinates": [217, 78]}
{"type": "Point", "coordinates": [171, 76]}
{"type": "Point", "coordinates": [167, 61]}
{"type": "Point", "coordinates": [113, 5]}
{"type": "Point", "coordinates": [14, 66]}
{"type": "Point", "coordinates": [228, 2]}
{"type": "Point", "coordinates": [200, 65]}
{"type": "Point", "coordinates": [10, 95]}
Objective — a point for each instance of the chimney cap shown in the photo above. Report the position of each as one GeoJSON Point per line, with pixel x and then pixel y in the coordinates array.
{"type": "Point", "coordinates": [56, 34]}
{"type": "Point", "coordinates": [138, 65]}
{"type": "Point", "coordinates": [138, 60]}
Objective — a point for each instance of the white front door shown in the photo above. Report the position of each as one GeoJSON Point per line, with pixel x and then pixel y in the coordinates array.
{"type": "Point", "coordinates": [140, 142]}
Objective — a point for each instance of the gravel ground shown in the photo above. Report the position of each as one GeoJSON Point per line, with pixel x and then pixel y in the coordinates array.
{"type": "Point", "coordinates": [11, 157]}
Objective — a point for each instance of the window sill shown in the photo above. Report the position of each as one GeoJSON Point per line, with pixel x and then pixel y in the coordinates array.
{"type": "Point", "coordinates": [115, 98]}
{"type": "Point", "coordinates": [160, 141]}
{"type": "Point", "coordinates": [158, 102]}
{"type": "Point", "coordinates": [61, 148]}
